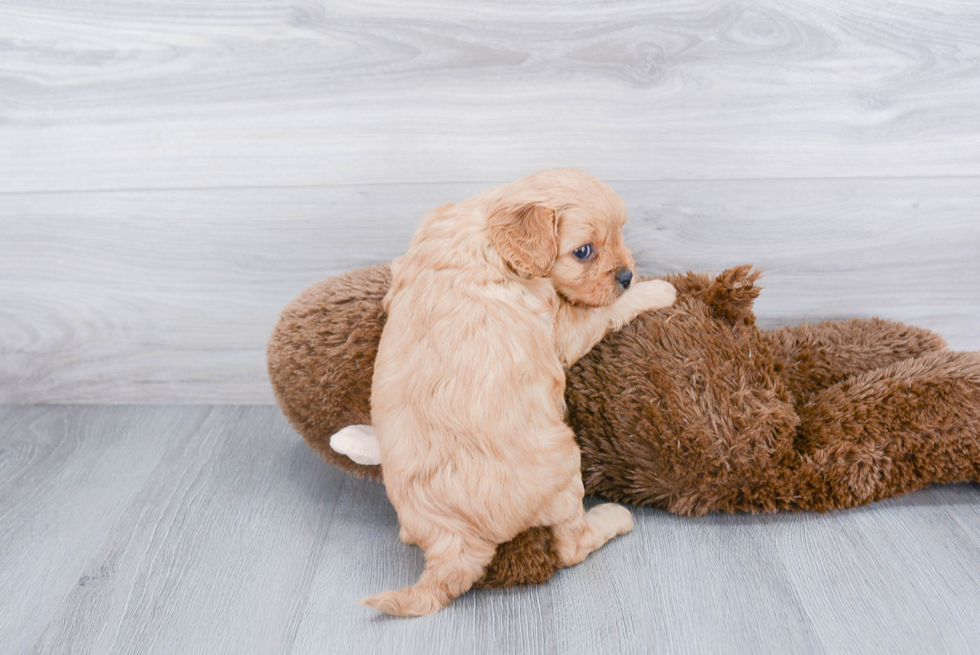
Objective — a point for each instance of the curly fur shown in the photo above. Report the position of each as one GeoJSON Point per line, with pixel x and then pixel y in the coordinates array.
{"type": "Point", "coordinates": [691, 408]}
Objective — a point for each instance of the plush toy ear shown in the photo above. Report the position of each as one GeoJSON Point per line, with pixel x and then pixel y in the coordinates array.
{"type": "Point", "coordinates": [730, 295]}
{"type": "Point", "coordinates": [526, 236]}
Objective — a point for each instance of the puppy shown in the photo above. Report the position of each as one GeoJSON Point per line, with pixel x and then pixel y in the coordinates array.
{"type": "Point", "coordinates": [496, 297]}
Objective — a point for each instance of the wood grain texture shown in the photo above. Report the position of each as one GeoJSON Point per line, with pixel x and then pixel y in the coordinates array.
{"type": "Point", "coordinates": [137, 94]}
{"type": "Point", "coordinates": [169, 296]}
{"type": "Point", "coordinates": [171, 174]}
{"type": "Point", "coordinates": [66, 477]}
{"type": "Point", "coordinates": [215, 554]}
{"type": "Point", "coordinates": [363, 556]}
{"type": "Point", "coordinates": [215, 529]}
{"type": "Point", "coordinates": [887, 552]}
{"type": "Point", "coordinates": [684, 585]}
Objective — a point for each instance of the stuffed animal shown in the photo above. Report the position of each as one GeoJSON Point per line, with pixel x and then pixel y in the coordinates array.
{"type": "Point", "coordinates": [691, 408]}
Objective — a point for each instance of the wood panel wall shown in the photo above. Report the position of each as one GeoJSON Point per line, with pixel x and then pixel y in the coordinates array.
{"type": "Point", "coordinates": [172, 173]}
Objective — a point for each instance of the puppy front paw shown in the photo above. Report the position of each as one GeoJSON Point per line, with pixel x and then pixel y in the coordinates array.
{"type": "Point", "coordinates": [651, 294]}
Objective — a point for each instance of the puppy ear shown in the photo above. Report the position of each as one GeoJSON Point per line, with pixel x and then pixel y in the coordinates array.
{"type": "Point", "coordinates": [526, 237]}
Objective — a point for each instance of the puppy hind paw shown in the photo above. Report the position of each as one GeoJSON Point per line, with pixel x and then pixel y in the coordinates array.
{"type": "Point", "coordinates": [610, 519]}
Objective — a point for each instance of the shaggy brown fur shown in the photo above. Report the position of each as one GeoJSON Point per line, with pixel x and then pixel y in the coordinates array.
{"type": "Point", "coordinates": [690, 408]}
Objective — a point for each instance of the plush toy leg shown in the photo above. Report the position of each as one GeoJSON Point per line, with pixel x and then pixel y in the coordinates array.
{"type": "Point", "coordinates": [814, 357]}
{"type": "Point", "coordinates": [359, 443]}
{"type": "Point", "coordinates": [529, 558]}
{"type": "Point", "coordinates": [891, 431]}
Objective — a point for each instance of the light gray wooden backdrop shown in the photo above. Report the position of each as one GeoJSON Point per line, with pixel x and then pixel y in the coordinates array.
{"type": "Point", "coordinates": [171, 174]}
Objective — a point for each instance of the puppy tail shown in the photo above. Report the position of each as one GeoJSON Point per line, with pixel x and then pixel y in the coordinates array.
{"type": "Point", "coordinates": [451, 568]}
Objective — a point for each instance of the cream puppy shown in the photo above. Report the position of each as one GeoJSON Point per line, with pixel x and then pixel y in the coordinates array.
{"type": "Point", "coordinates": [496, 297]}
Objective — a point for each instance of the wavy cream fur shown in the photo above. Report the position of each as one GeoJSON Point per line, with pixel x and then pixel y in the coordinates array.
{"type": "Point", "coordinates": [486, 311]}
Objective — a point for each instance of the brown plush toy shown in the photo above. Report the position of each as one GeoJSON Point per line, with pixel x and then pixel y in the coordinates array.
{"type": "Point", "coordinates": [691, 408]}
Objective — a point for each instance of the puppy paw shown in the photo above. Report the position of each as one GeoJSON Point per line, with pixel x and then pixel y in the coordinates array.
{"type": "Point", "coordinates": [610, 519]}
{"type": "Point", "coordinates": [650, 295]}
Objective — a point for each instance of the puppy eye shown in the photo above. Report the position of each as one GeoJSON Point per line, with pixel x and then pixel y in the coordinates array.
{"type": "Point", "coordinates": [583, 253]}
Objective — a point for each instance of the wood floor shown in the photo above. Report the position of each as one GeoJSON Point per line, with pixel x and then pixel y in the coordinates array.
{"type": "Point", "coordinates": [180, 529]}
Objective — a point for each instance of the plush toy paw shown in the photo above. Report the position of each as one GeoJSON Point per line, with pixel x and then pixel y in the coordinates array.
{"type": "Point", "coordinates": [359, 443]}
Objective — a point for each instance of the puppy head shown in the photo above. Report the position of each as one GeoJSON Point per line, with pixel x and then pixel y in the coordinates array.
{"type": "Point", "coordinates": [565, 225]}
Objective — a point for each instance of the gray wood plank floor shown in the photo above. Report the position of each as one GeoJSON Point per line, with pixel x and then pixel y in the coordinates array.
{"type": "Point", "coordinates": [139, 529]}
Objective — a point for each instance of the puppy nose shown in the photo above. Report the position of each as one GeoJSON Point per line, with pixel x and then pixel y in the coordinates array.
{"type": "Point", "coordinates": [624, 277]}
